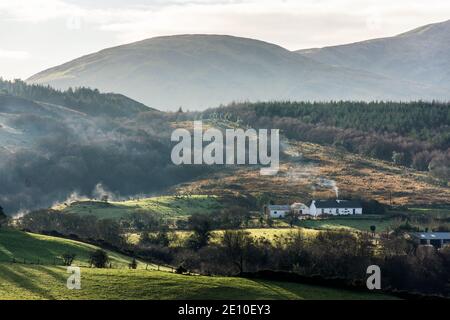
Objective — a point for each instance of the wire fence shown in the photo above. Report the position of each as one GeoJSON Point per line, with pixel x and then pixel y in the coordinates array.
{"type": "Point", "coordinates": [58, 261]}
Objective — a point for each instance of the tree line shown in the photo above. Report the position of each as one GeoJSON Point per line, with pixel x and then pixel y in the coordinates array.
{"type": "Point", "coordinates": [89, 101]}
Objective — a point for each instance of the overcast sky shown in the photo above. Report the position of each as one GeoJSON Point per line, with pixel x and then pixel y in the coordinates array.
{"type": "Point", "coordinates": [37, 34]}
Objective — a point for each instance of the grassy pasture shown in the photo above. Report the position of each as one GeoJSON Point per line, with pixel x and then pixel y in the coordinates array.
{"type": "Point", "coordinates": [267, 233]}
{"type": "Point", "coordinates": [36, 248]}
{"type": "Point", "coordinates": [49, 282]}
{"type": "Point", "coordinates": [353, 223]}
{"type": "Point", "coordinates": [166, 206]}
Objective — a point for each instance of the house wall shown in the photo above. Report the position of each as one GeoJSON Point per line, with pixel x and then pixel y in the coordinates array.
{"type": "Point", "coordinates": [333, 211]}
{"type": "Point", "coordinates": [278, 213]}
{"type": "Point", "coordinates": [342, 211]}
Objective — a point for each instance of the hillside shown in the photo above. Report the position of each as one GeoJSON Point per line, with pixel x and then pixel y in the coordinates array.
{"type": "Point", "coordinates": [87, 101]}
{"type": "Point", "coordinates": [420, 55]}
{"type": "Point", "coordinates": [42, 282]}
{"type": "Point", "coordinates": [311, 171]}
{"type": "Point", "coordinates": [50, 152]}
{"type": "Point", "coordinates": [308, 171]}
{"type": "Point", "coordinates": [38, 278]}
{"type": "Point", "coordinates": [168, 207]}
{"type": "Point", "coordinates": [35, 248]}
{"type": "Point", "coordinates": [201, 71]}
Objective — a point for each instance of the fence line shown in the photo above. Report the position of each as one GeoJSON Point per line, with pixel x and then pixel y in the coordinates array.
{"type": "Point", "coordinates": [57, 261]}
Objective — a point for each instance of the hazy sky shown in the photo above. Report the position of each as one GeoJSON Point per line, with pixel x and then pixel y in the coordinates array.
{"type": "Point", "coordinates": [37, 34]}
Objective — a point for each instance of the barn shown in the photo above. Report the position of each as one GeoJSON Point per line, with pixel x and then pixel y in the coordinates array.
{"type": "Point", "coordinates": [436, 239]}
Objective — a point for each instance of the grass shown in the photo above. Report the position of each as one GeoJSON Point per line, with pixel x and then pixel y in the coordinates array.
{"type": "Point", "coordinates": [267, 233]}
{"type": "Point", "coordinates": [362, 223]}
{"type": "Point", "coordinates": [49, 282]}
{"type": "Point", "coordinates": [36, 248]}
{"type": "Point", "coordinates": [166, 206]}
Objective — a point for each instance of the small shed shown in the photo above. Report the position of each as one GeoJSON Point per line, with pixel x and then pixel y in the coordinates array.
{"type": "Point", "coordinates": [436, 239]}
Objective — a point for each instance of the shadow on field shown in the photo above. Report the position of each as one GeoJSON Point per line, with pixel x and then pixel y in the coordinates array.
{"type": "Point", "coordinates": [23, 280]}
{"type": "Point", "coordinates": [255, 289]}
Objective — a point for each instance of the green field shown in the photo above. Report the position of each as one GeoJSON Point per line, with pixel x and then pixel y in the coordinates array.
{"type": "Point", "coordinates": [46, 281]}
{"type": "Point", "coordinates": [36, 248]}
{"type": "Point", "coordinates": [166, 206]}
{"type": "Point", "coordinates": [49, 282]}
{"type": "Point", "coordinates": [362, 223]}
{"type": "Point", "coordinates": [257, 233]}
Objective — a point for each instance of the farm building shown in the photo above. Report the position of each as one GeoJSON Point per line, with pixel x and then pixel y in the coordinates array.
{"type": "Point", "coordinates": [436, 239]}
{"type": "Point", "coordinates": [278, 211]}
{"type": "Point", "coordinates": [334, 207]}
{"type": "Point", "coordinates": [300, 208]}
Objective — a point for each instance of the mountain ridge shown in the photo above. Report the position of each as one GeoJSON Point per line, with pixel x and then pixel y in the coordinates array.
{"type": "Point", "coordinates": [419, 55]}
{"type": "Point", "coordinates": [202, 71]}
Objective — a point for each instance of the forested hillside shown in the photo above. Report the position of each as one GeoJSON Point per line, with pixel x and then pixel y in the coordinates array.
{"type": "Point", "coordinates": [49, 152]}
{"type": "Point", "coordinates": [89, 101]}
{"type": "Point", "coordinates": [415, 134]}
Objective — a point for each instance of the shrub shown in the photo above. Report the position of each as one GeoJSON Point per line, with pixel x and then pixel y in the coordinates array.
{"type": "Point", "coordinates": [99, 258]}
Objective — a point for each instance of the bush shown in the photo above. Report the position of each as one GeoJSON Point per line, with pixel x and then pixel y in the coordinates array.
{"type": "Point", "coordinates": [68, 258]}
{"type": "Point", "coordinates": [181, 270]}
{"type": "Point", "coordinates": [133, 264]}
{"type": "Point", "coordinates": [99, 258]}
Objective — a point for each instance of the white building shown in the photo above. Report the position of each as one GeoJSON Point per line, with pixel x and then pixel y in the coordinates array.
{"type": "Point", "coordinates": [334, 207]}
{"type": "Point", "coordinates": [300, 208]}
{"type": "Point", "coordinates": [278, 211]}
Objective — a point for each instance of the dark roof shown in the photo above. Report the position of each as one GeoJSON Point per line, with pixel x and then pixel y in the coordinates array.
{"type": "Point", "coordinates": [432, 235]}
{"type": "Point", "coordinates": [279, 207]}
{"type": "Point", "coordinates": [337, 204]}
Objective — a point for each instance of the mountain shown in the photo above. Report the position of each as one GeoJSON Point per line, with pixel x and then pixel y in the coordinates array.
{"type": "Point", "coordinates": [421, 56]}
{"type": "Point", "coordinates": [200, 71]}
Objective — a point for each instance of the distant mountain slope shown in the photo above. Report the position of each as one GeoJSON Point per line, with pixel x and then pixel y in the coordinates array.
{"type": "Point", "coordinates": [91, 102]}
{"type": "Point", "coordinates": [24, 122]}
{"type": "Point", "coordinates": [421, 55]}
{"type": "Point", "coordinates": [49, 152]}
{"type": "Point", "coordinates": [200, 71]}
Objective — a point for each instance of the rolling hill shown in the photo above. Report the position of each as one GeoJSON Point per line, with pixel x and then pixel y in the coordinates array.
{"type": "Point", "coordinates": [200, 71]}
{"type": "Point", "coordinates": [38, 278]}
{"type": "Point", "coordinates": [45, 282]}
{"type": "Point", "coordinates": [34, 248]}
{"type": "Point", "coordinates": [168, 207]}
{"type": "Point", "coordinates": [420, 55]}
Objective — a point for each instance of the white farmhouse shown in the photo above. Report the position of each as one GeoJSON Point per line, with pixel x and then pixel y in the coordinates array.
{"type": "Point", "coordinates": [334, 207]}
{"type": "Point", "coordinates": [278, 211]}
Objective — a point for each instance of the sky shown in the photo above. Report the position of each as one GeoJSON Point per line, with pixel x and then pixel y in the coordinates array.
{"type": "Point", "coordinates": [38, 34]}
